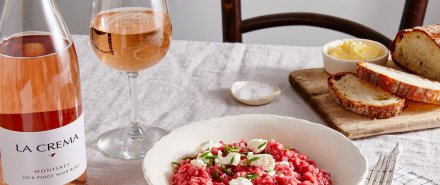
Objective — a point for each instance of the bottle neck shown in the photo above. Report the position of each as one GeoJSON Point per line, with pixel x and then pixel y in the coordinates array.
{"type": "Point", "coordinates": [27, 17]}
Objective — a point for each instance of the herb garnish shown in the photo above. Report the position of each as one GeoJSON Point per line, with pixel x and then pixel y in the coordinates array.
{"type": "Point", "coordinates": [251, 176]}
{"type": "Point", "coordinates": [227, 149]}
{"type": "Point", "coordinates": [232, 159]}
{"type": "Point", "coordinates": [251, 160]}
{"type": "Point", "coordinates": [204, 154]}
{"type": "Point", "coordinates": [262, 144]}
{"type": "Point", "coordinates": [235, 149]}
{"type": "Point", "coordinates": [228, 171]}
{"type": "Point", "coordinates": [211, 157]}
{"type": "Point", "coordinates": [175, 163]}
{"type": "Point", "coordinates": [216, 174]}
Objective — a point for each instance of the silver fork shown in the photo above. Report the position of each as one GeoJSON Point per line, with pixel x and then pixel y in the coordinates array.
{"type": "Point", "coordinates": [383, 171]}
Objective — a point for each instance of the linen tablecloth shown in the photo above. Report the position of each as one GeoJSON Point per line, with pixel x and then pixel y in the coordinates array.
{"type": "Point", "coordinates": [192, 83]}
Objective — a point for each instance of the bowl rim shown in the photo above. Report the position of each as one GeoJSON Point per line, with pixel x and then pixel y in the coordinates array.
{"type": "Point", "coordinates": [326, 47]}
{"type": "Point", "coordinates": [331, 131]}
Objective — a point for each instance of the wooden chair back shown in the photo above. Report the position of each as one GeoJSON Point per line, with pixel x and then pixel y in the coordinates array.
{"type": "Point", "coordinates": [233, 25]}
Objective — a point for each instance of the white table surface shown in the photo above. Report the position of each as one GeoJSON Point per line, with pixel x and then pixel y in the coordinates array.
{"type": "Point", "coordinates": [192, 83]}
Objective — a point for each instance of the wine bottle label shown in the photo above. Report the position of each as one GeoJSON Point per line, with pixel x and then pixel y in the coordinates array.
{"type": "Point", "coordinates": [55, 156]}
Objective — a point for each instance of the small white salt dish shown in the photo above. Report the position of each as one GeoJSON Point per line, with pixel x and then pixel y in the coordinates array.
{"type": "Point", "coordinates": [254, 93]}
{"type": "Point", "coordinates": [335, 65]}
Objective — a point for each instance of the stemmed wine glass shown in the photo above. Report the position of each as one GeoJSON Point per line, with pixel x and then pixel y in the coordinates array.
{"type": "Point", "coordinates": [130, 35]}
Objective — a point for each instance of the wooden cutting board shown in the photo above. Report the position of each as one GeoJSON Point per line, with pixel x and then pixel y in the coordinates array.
{"type": "Point", "coordinates": [311, 84]}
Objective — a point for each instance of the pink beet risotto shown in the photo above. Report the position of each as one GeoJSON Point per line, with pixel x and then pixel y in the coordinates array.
{"type": "Point", "coordinates": [253, 162]}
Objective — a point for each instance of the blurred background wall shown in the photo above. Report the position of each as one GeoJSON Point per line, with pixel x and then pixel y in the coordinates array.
{"type": "Point", "coordinates": [200, 20]}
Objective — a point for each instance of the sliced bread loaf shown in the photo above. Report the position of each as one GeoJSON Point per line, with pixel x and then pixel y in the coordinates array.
{"type": "Point", "coordinates": [362, 97]}
{"type": "Point", "coordinates": [400, 83]}
{"type": "Point", "coordinates": [417, 50]}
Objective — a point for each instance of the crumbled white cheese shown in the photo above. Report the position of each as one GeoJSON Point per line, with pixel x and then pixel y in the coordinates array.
{"type": "Point", "coordinates": [240, 181]}
{"type": "Point", "coordinates": [257, 145]}
{"type": "Point", "coordinates": [217, 145]}
{"type": "Point", "coordinates": [232, 158]}
{"type": "Point", "coordinates": [242, 145]}
{"type": "Point", "coordinates": [271, 172]}
{"type": "Point", "coordinates": [206, 146]}
{"type": "Point", "coordinates": [264, 161]}
{"type": "Point", "coordinates": [283, 163]}
{"type": "Point", "coordinates": [198, 163]}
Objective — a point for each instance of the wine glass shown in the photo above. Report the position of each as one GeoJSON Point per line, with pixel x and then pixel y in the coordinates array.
{"type": "Point", "coordinates": [130, 35]}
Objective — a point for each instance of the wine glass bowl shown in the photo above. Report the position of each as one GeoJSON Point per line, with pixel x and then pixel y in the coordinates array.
{"type": "Point", "coordinates": [130, 36]}
{"type": "Point", "coordinates": [130, 39]}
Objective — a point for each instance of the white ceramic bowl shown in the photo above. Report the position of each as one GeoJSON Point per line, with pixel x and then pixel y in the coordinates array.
{"type": "Point", "coordinates": [335, 65]}
{"type": "Point", "coordinates": [330, 150]}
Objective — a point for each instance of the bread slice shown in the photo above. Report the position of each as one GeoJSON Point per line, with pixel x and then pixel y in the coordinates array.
{"type": "Point", "coordinates": [400, 83]}
{"type": "Point", "coordinates": [363, 98]}
{"type": "Point", "coordinates": [417, 50]}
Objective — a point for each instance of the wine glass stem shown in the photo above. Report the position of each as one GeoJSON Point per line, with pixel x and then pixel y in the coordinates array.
{"type": "Point", "coordinates": [135, 129]}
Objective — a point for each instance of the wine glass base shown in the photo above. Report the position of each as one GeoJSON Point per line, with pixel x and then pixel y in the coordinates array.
{"type": "Point", "coordinates": [120, 144]}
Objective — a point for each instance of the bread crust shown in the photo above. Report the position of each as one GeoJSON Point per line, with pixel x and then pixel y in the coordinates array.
{"type": "Point", "coordinates": [397, 87]}
{"type": "Point", "coordinates": [374, 111]}
{"type": "Point", "coordinates": [432, 31]}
